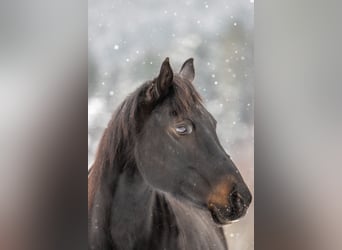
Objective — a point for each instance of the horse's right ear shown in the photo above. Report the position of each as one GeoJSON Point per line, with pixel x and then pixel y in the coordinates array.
{"type": "Point", "coordinates": [188, 71]}
{"type": "Point", "coordinates": [161, 85]}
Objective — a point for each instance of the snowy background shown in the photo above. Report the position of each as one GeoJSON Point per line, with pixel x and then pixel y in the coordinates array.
{"type": "Point", "coordinates": [128, 41]}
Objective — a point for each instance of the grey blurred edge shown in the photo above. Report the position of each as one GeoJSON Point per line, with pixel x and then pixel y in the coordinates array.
{"type": "Point", "coordinates": [298, 125]}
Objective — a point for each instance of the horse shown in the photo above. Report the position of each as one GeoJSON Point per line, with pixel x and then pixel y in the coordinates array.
{"type": "Point", "coordinates": [161, 179]}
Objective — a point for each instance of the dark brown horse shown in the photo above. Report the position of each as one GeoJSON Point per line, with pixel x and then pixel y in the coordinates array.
{"type": "Point", "coordinates": [161, 179]}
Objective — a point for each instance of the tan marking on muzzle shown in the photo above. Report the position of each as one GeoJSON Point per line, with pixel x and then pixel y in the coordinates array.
{"type": "Point", "coordinates": [219, 195]}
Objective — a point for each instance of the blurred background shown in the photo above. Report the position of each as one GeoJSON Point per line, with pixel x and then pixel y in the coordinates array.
{"type": "Point", "coordinates": [127, 42]}
{"type": "Point", "coordinates": [298, 119]}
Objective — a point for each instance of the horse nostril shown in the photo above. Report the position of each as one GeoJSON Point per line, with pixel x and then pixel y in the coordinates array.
{"type": "Point", "coordinates": [234, 197]}
{"type": "Point", "coordinates": [239, 201]}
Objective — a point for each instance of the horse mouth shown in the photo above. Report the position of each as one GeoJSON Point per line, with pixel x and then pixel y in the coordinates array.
{"type": "Point", "coordinates": [225, 215]}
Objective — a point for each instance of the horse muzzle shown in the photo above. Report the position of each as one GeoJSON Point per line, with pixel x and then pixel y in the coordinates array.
{"type": "Point", "coordinates": [229, 204]}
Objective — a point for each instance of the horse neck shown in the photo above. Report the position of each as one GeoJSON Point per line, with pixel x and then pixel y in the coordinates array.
{"type": "Point", "coordinates": [137, 210]}
{"type": "Point", "coordinates": [144, 218]}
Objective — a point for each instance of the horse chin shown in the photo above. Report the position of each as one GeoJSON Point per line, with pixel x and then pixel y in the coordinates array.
{"type": "Point", "coordinates": [222, 219]}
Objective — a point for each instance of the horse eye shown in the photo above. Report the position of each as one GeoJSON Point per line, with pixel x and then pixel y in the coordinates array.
{"type": "Point", "coordinates": [184, 129]}
{"type": "Point", "coordinates": [181, 129]}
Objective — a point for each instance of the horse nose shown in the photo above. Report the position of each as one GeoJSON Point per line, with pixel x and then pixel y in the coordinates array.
{"type": "Point", "coordinates": [229, 201]}
{"type": "Point", "coordinates": [240, 199]}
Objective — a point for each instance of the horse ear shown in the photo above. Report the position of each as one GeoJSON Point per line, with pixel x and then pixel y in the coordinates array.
{"type": "Point", "coordinates": [188, 71]}
{"type": "Point", "coordinates": [161, 85]}
{"type": "Point", "coordinates": [164, 80]}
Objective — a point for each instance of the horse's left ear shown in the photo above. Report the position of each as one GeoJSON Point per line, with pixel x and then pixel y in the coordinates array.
{"type": "Point", "coordinates": [188, 71]}
{"type": "Point", "coordinates": [164, 80]}
{"type": "Point", "coordinates": [161, 85]}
